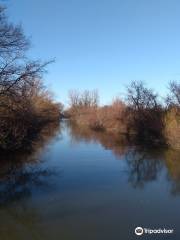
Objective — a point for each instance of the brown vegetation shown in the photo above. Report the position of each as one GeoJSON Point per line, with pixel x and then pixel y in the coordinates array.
{"type": "Point", "coordinates": [145, 113]}
{"type": "Point", "coordinates": [172, 116]}
{"type": "Point", "coordinates": [25, 105]}
{"type": "Point", "coordinates": [141, 116]}
{"type": "Point", "coordinates": [92, 115]}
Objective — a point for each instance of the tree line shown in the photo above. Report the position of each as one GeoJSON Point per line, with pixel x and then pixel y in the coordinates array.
{"type": "Point", "coordinates": [25, 103]}
{"type": "Point", "coordinates": [142, 115]}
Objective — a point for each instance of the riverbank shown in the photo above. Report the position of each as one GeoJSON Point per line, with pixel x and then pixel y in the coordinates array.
{"type": "Point", "coordinates": [81, 182]}
{"type": "Point", "coordinates": [142, 117]}
{"type": "Point", "coordinates": [26, 105]}
{"type": "Point", "coordinates": [167, 131]}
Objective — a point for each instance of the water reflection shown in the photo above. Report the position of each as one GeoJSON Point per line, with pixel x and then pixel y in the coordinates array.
{"type": "Point", "coordinates": [172, 161]}
{"type": "Point", "coordinates": [110, 141]}
{"type": "Point", "coordinates": [101, 194]}
{"type": "Point", "coordinates": [145, 163]}
{"type": "Point", "coordinates": [20, 172]}
{"type": "Point", "coordinates": [19, 183]}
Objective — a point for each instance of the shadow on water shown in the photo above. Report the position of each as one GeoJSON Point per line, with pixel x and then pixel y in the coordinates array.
{"type": "Point", "coordinates": [144, 163]}
{"type": "Point", "coordinates": [110, 141]}
{"type": "Point", "coordinates": [172, 162]}
{"type": "Point", "coordinates": [101, 194]}
{"type": "Point", "coordinates": [21, 172]}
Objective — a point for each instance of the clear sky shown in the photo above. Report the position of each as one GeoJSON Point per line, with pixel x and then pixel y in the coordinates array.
{"type": "Point", "coordinates": [102, 44]}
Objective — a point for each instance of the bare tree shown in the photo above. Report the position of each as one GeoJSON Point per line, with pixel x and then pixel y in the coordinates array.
{"type": "Point", "coordinates": [173, 99]}
{"type": "Point", "coordinates": [144, 113]}
{"type": "Point", "coordinates": [89, 98]}
{"type": "Point", "coordinates": [83, 99]}
{"type": "Point", "coordinates": [24, 102]}
{"type": "Point", "coordinates": [140, 97]}
{"type": "Point", "coordinates": [15, 68]}
{"type": "Point", "coordinates": [74, 98]}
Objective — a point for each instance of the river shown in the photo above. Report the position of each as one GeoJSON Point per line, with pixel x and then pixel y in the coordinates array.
{"type": "Point", "coordinates": [76, 184]}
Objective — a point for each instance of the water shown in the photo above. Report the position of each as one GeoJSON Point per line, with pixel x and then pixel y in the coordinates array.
{"type": "Point", "coordinates": [78, 184]}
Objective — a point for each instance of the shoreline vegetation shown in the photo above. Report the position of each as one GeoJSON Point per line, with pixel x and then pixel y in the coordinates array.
{"type": "Point", "coordinates": [141, 117]}
{"type": "Point", "coordinates": [26, 105]}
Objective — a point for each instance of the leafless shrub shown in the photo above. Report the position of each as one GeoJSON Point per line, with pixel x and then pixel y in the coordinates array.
{"type": "Point", "coordinates": [84, 109]}
{"type": "Point", "coordinates": [145, 113]}
{"type": "Point", "coordinates": [139, 97]}
{"type": "Point", "coordinates": [172, 127]}
{"type": "Point", "coordinates": [83, 99]}
{"type": "Point", "coordinates": [173, 98]}
{"type": "Point", "coordinates": [24, 102]}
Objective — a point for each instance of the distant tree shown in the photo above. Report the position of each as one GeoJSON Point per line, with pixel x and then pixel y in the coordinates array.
{"type": "Point", "coordinates": [83, 99]}
{"type": "Point", "coordinates": [74, 98]}
{"type": "Point", "coordinates": [173, 99]}
{"type": "Point", "coordinates": [140, 97]}
{"type": "Point", "coordinates": [172, 117]}
{"type": "Point", "coordinates": [145, 115]}
{"type": "Point", "coordinates": [89, 98]}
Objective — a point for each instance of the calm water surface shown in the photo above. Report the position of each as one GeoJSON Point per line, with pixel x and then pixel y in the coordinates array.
{"type": "Point", "coordinates": [77, 184]}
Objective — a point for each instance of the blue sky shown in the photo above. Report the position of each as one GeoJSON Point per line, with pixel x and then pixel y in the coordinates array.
{"type": "Point", "coordinates": [102, 44]}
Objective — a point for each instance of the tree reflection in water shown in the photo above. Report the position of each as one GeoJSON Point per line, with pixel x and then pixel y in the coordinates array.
{"type": "Point", "coordinates": [172, 161]}
{"type": "Point", "coordinates": [20, 172]}
{"type": "Point", "coordinates": [20, 182]}
{"type": "Point", "coordinates": [143, 165]}
{"type": "Point", "coordinates": [144, 162]}
{"type": "Point", "coordinates": [110, 141]}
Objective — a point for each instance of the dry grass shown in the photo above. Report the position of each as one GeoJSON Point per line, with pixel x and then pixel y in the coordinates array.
{"type": "Point", "coordinates": [172, 127]}
{"type": "Point", "coordinates": [143, 118]}
{"type": "Point", "coordinates": [22, 116]}
{"type": "Point", "coordinates": [109, 118]}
